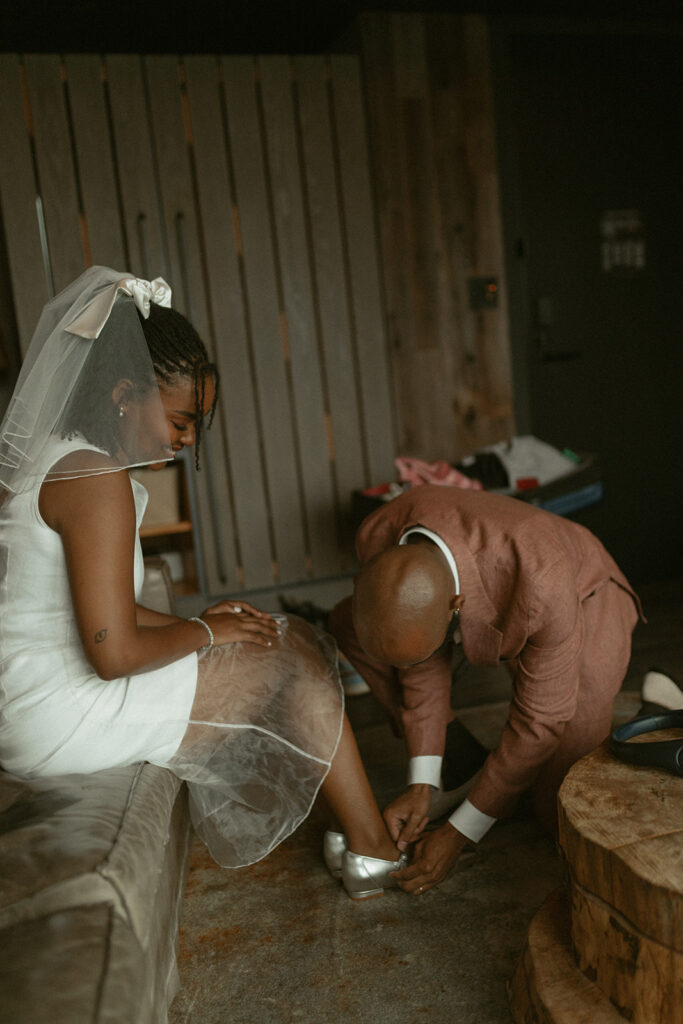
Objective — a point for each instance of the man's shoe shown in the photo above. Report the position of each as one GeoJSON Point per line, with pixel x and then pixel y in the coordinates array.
{"type": "Point", "coordinates": [660, 689]}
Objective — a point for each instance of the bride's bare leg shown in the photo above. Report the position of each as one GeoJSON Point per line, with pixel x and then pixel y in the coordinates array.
{"type": "Point", "coordinates": [349, 797]}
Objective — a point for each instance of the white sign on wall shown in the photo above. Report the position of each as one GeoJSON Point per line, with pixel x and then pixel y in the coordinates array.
{"type": "Point", "coordinates": [622, 246]}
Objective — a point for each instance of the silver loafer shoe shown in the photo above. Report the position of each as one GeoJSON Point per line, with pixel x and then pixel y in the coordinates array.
{"type": "Point", "coordinates": [364, 877]}
{"type": "Point", "coordinates": [334, 848]}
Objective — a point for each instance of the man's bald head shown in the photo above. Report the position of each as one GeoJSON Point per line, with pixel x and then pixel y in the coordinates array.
{"type": "Point", "coordinates": [403, 602]}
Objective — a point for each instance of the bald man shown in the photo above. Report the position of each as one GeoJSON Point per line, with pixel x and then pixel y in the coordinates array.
{"type": "Point", "coordinates": [513, 584]}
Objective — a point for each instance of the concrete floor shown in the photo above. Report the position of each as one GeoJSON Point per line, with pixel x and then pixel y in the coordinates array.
{"type": "Point", "coordinates": [281, 942]}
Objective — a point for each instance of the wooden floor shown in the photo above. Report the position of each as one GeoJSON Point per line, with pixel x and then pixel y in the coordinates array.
{"type": "Point", "coordinates": [280, 942]}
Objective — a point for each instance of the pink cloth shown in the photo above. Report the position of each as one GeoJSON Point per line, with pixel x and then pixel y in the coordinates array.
{"type": "Point", "coordinates": [415, 471]}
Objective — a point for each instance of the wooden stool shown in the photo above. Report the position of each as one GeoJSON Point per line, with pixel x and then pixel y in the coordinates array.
{"type": "Point", "coordinates": [611, 948]}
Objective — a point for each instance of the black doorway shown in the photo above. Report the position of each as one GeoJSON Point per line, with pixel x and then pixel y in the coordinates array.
{"type": "Point", "coordinates": [590, 132]}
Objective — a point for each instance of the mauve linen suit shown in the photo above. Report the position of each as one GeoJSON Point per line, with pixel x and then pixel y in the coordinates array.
{"type": "Point", "coordinates": [541, 593]}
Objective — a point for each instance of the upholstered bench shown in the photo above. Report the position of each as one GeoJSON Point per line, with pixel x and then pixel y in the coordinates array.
{"type": "Point", "coordinates": [92, 872]}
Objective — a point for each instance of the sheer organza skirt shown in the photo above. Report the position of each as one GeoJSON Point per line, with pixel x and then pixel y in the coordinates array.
{"type": "Point", "coordinates": [263, 730]}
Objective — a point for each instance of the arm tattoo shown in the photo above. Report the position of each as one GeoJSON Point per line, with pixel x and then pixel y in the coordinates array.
{"type": "Point", "coordinates": [100, 636]}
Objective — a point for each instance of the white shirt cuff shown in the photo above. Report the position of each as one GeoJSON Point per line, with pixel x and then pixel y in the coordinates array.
{"type": "Point", "coordinates": [470, 822]}
{"type": "Point", "coordinates": [426, 769]}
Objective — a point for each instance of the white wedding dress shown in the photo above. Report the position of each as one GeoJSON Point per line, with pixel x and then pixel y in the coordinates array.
{"type": "Point", "coordinates": [253, 730]}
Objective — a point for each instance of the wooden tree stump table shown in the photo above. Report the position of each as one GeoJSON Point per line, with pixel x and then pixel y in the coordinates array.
{"type": "Point", "coordinates": [609, 948]}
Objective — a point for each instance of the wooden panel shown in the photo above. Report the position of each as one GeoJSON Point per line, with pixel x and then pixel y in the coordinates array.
{"type": "Point", "coordinates": [174, 188]}
{"type": "Point", "coordinates": [387, 150]}
{"type": "Point", "coordinates": [493, 349]}
{"type": "Point", "coordinates": [433, 143]}
{"type": "Point", "coordinates": [363, 269]}
{"type": "Point", "coordinates": [285, 513]}
{"type": "Point", "coordinates": [425, 389]}
{"type": "Point", "coordinates": [407, 36]}
{"type": "Point", "coordinates": [177, 202]}
{"type": "Point", "coordinates": [424, 222]}
{"type": "Point", "coordinates": [300, 315]}
{"type": "Point", "coordinates": [56, 173]}
{"type": "Point", "coordinates": [96, 165]}
{"type": "Point", "coordinates": [422, 212]}
{"type": "Point", "coordinates": [332, 286]}
{"type": "Point", "coordinates": [460, 414]}
{"type": "Point", "coordinates": [249, 191]}
{"type": "Point", "coordinates": [18, 193]}
{"type": "Point", "coordinates": [456, 186]}
{"type": "Point", "coordinates": [225, 291]}
{"type": "Point", "coordinates": [147, 248]}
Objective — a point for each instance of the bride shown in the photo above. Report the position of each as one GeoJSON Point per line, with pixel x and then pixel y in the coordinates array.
{"type": "Point", "coordinates": [244, 706]}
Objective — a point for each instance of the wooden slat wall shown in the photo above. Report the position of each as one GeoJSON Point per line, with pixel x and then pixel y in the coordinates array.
{"type": "Point", "coordinates": [245, 183]}
{"type": "Point", "coordinates": [21, 218]}
{"type": "Point", "coordinates": [431, 120]}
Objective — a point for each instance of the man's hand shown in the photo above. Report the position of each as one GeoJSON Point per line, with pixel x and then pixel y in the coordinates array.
{"type": "Point", "coordinates": [407, 815]}
{"type": "Point", "coordinates": [433, 858]}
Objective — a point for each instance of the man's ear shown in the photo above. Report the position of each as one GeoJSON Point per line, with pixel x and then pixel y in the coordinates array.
{"type": "Point", "coordinates": [456, 603]}
{"type": "Point", "coordinates": [122, 392]}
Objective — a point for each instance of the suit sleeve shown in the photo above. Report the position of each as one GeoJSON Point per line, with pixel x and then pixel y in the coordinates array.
{"type": "Point", "coordinates": [544, 692]}
{"type": "Point", "coordinates": [426, 704]}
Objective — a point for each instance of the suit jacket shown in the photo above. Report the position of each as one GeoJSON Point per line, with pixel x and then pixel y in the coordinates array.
{"type": "Point", "coordinates": [524, 574]}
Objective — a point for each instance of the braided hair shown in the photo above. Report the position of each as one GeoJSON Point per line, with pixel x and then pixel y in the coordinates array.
{"type": "Point", "coordinates": [176, 351]}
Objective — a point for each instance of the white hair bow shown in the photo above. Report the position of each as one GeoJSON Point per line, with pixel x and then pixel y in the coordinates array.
{"type": "Point", "coordinates": [89, 323]}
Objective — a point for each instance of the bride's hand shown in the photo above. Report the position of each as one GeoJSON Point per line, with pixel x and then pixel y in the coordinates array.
{"type": "Point", "coordinates": [237, 607]}
{"type": "Point", "coordinates": [234, 622]}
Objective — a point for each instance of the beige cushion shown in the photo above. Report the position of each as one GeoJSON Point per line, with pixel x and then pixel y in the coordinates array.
{"type": "Point", "coordinates": [94, 865]}
{"type": "Point", "coordinates": [52, 970]}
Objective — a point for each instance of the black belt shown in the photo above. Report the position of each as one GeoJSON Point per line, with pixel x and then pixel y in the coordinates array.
{"type": "Point", "coordinates": [666, 754]}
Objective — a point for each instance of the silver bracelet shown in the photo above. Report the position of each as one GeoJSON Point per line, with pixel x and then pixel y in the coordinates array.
{"type": "Point", "coordinates": [208, 629]}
